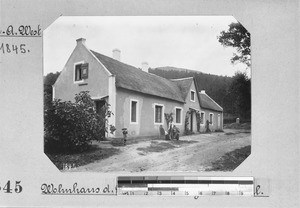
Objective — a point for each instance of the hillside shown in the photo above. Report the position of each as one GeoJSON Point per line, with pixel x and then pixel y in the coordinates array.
{"type": "Point", "coordinates": [214, 85]}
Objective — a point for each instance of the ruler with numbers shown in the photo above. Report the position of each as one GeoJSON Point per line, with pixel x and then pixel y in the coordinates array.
{"type": "Point", "coordinates": [184, 186]}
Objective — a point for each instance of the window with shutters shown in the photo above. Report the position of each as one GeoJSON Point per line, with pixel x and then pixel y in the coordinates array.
{"type": "Point", "coordinates": [81, 71]}
{"type": "Point", "coordinates": [158, 114]}
{"type": "Point", "coordinates": [133, 111]}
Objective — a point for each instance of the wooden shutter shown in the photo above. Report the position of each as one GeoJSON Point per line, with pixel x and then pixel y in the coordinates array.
{"type": "Point", "coordinates": [84, 71]}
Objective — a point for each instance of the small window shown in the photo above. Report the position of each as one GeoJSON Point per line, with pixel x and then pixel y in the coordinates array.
{"type": "Point", "coordinates": [178, 115]}
{"type": "Point", "coordinates": [133, 118]}
{"type": "Point", "coordinates": [211, 118]}
{"type": "Point", "coordinates": [193, 96]}
{"type": "Point", "coordinates": [78, 72]}
{"type": "Point", "coordinates": [202, 117]}
{"type": "Point", "coordinates": [81, 71]}
{"type": "Point", "coordinates": [158, 114]}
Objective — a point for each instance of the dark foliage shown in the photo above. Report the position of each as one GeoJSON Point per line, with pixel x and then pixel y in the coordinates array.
{"type": "Point", "coordinates": [198, 118]}
{"type": "Point", "coordinates": [187, 130]}
{"type": "Point", "coordinates": [49, 80]}
{"type": "Point", "coordinates": [232, 93]}
{"type": "Point", "coordinates": [237, 37]}
{"type": "Point", "coordinates": [70, 127]}
{"type": "Point", "coordinates": [240, 90]}
{"type": "Point", "coordinates": [229, 120]}
{"type": "Point", "coordinates": [215, 86]}
{"type": "Point", "coordinates": [231, 160]}
{"type": "Point", "coordinates": [169, 118]}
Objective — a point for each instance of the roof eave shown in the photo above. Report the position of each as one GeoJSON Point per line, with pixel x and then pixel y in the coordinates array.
{"type": "Point", "coordinates": [180, 101]}
{"type": "Point", "coordinates": [106, 70]}
{"type": "Point", "coordinates": [212, 100]}
{"type": "Point", "coordinates": [211, 109]}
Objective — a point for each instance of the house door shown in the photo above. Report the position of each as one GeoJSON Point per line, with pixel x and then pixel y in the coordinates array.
{"type": "Point", "coordinates": [192, 121]}
{"type": "Point", "coordinates": [100, 109]}
{"type": "Point", "coordinates": [219, 121]}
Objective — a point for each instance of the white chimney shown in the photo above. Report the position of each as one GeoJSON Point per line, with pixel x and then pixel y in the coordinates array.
{"type": "Point", "coordinates": [81, 41]}
{"type": "Point", "coordinates": [145, 66]}
{"type": "Point", "coordinates": [202, 91]}
{"type": "Point", "coordinates": [116, 54]}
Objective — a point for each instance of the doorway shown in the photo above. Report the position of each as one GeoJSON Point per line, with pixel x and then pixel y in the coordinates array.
{"type": "Point", "coordinates": [192, 121]}
{"type": "Point", "coordinates": [101, 111]}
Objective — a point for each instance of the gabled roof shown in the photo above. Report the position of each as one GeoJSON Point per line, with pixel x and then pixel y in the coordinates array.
{"type": "Point", "coordinates": [184, 85]}
{"type": "Point", "coordinates": [208, 103]}
{"type": "Point", "coordinates": [131, 78]}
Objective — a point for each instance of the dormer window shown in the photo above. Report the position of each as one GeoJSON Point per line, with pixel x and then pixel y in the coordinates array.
{"type": "Point", "coordinates": [192, 95]}
{"type": "Point", "coordinates": [81, 71]}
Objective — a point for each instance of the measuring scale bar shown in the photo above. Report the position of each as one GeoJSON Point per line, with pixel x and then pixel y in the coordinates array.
{"type": "Point", "coordinates": [183, 186]}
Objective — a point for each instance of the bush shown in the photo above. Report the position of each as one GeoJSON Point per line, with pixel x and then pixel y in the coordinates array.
{"type": "Point", "coordinates": [70, 127]}
{"type": "Point", "coordinates": [229, 120]}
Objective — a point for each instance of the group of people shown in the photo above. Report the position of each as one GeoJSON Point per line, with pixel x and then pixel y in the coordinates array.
{"type": "Point", "coordinates": [172, 133]}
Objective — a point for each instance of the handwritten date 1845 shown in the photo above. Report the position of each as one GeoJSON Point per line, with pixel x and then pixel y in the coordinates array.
{"type": "Point", "coordinates": [13, 48]}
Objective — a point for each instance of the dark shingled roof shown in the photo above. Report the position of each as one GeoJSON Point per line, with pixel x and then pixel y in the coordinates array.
{"type": "Point", "coordinates": [135, 79]}
{"type": "Point", "coordinates": [208, 103]}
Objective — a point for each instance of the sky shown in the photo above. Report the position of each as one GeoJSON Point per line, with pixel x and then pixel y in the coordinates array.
{"type": "Point", "coordinates": [188, 42]}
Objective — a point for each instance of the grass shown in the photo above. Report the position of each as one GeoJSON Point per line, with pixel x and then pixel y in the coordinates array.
{"type": "Point", "coordinates": [229, 133]}
{"type": "Point", "coordinates": [74, 160]}
{"type": "Point", "coordinates": [238, 132]}
{"type": "Point", "coordinates": [245, 126]}
{"type": "Point", "coordinates": [156, 146]}
{"type": "Point", "coordinates": [119, 142]}
{"type": "Point", "coordinates": [231, 160]}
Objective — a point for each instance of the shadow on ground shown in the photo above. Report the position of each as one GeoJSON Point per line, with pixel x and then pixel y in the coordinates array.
{"type": "Point", "coordinates": [156, 146]}
{"type": "Point", "coordinates": [73, 160]}
{"type": "Point", "coordinates": [231, 160]}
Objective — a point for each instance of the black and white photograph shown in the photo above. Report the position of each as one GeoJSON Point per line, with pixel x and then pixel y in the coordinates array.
{"type": "Point", "coordinates": [161, 103]}
{"type": "Point", "coordinates": [140, 94]}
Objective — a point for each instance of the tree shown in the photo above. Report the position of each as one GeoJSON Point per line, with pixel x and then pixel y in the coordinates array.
{"type": "Point", "coordinates": [240, 92]}
{"type": "Point", "coordinates": [237, 37]}
{"type": "Point", "coordinates": [169, 118]}
{"type": "Point", "coordinates": [49, 80]}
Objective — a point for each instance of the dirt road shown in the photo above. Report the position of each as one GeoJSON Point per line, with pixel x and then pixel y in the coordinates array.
{"type": "Point", "coordinates": [191, 153]}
